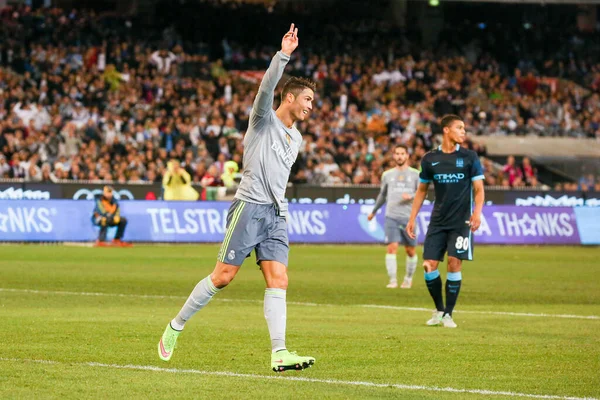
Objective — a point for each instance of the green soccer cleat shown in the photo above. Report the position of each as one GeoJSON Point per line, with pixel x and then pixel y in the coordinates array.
{"type": "Point", "coordinates": [167, 343]}
{"type": "Point", "coordinates": [283, 360]}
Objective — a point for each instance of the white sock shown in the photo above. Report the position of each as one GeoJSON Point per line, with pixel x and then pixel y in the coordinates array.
{"type": "Point", "coordinates": [411, 266]}
{"type": "Point", "coordinates": [199, 298]}
{"type": "Point", "coordinates": [275, 314]}
{"type": "Point", "coordinates": [176, 325]}
{"type": "Point", "coordinates": [392, 266]}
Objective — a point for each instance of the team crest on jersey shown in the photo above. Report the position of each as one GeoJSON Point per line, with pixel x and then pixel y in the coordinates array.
{"type": "Point", "coordinates": [288, 138]}
{"type": "Point", "coordinates": [460, 163]}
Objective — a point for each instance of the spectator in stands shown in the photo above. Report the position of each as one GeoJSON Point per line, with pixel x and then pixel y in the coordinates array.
{"type": "Point", "coordinates": [211, 178]}
{"type": "Point", "coordinates": [47, 175]}
{"type": "Point", "coordinates": [163, 60]}
{"type": "Point", "coordinates": [528, 172]}
{"type": "Point", "coordinates": [115, 90]}
{"type": "Point", "coordinates": [177, 183]}
{"type": "Point", "coordinates": [4, 167]}
{"type": "Point", "coordinates": [535, 184]}
{"type": "Point", "coordinates": [529, 84]}
{"type": "Point", "coordinates": [512, 172]}
{"type": "Point", "coordinates": [18, 166]}
{"type": "Point", "coordinates": [586, 182]}
{"type": "Point", "coordinates": [34, 173]}
{"type": "Point", "coordinates": [518, 182]}
{"type": "Point", "coordinates": [230, 174]}
{"type": "Point", "coordinates": [570, 186]}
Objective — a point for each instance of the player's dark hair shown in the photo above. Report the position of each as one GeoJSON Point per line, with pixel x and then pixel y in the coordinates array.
{"type": "Point", "coordinates": [448, 119]}
{"type": "Point", "coordinates": [296, 85]}
{"type": "Point", "coordinates": [401, 146]}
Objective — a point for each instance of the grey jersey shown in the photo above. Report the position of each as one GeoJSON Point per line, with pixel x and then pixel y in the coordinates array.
{"type": "Point", "coordinates": [394, 183]}
{"type": "Point", "coordinates": [270, 148]}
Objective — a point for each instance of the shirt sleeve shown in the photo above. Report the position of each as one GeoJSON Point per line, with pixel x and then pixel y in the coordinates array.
{"type": "Point", "coordinates": [425, 174]}
{"type": "Point", "coordinates": [264, 99]}
{"type": "Point", "coordinates": [97, 210]}
{"type": "Point", "coordinates": [167, 179]}
{"type": "Point", "coordinates": [476, 170]}
{"type": "Point", "coordinates": [155, 58]}
{"type": "Point", "coordinates": [382, 197]}
{"type": "Point", "coordinates": [416, 175]}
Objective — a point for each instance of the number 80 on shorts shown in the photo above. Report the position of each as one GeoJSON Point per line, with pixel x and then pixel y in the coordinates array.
{"type": "Point", "coordinates": [462, 243]}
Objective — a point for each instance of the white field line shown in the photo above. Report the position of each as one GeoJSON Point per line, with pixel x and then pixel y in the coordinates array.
{"type": "Point", "coordinates": [399, 386]}
{"type": "Point", "coordinates": [514, 314]}
{"type": "Point", "coordinates": [297, 303]}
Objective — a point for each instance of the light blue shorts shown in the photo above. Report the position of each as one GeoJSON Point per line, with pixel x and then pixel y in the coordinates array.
{"type": "Point", "coordinates": [254, 227]}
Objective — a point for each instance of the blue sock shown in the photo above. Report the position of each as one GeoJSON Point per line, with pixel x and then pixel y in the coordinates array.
{"type": "Point", "coordinates": [434, 284]}
{"type": "Point", "coordinates": [453, 282]}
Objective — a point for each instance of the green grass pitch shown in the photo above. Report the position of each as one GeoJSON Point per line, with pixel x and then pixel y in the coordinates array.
{"type": "Point", "coordinates": [84, 323]}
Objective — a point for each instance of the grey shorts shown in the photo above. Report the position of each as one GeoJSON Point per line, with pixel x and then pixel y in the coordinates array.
{"type": "Point", "coordinates": [395, 232]}
{"type": "Point", "coordinates": [254, 227]}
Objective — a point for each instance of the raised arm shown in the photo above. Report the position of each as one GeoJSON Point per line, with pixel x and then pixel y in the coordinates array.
{"type": "Point", "coordinates": [264, 99]}
{"type": "Point", "coordinates": [155, 58]}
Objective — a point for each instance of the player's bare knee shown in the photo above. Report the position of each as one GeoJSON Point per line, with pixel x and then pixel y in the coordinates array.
{"type": "Point", "coordinates": [430, 265]}
{"type": "Point", "coordinates": [454, 264]}
{"type": "Point", "coordinates": [223, 275]}
{"type": "Point", "coordinates": [221, 279]}
{"type": "Point", "coordinates": [392, 248]}
{"type": "Point", "coordinates": [410, 251]}
{"type": "Point", "coordinates": [275, 274]}
{"type": "Point", "coordinates": [277, 281]}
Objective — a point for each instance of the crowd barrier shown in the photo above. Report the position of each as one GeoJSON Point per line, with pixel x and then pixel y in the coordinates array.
{"type": "Point", "coordinates": [159, 221]}
{"type": "Point", "coordinates": [301, 194]}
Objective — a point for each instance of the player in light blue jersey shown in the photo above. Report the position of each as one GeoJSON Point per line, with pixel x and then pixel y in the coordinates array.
{"type": "Point", "coordinates": [398, 188]}
{"type": "Point", "coordinates": [257, 217]}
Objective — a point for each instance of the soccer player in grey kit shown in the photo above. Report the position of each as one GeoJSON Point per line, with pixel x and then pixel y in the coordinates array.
{"type": "Point", "coordinates": [398, 188]}
{"type": "Point", "coordinates": [257, 216]}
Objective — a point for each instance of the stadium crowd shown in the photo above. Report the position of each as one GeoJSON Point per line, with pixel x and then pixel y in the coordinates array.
{"type": "Point", "coordinates": [91, 97]}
